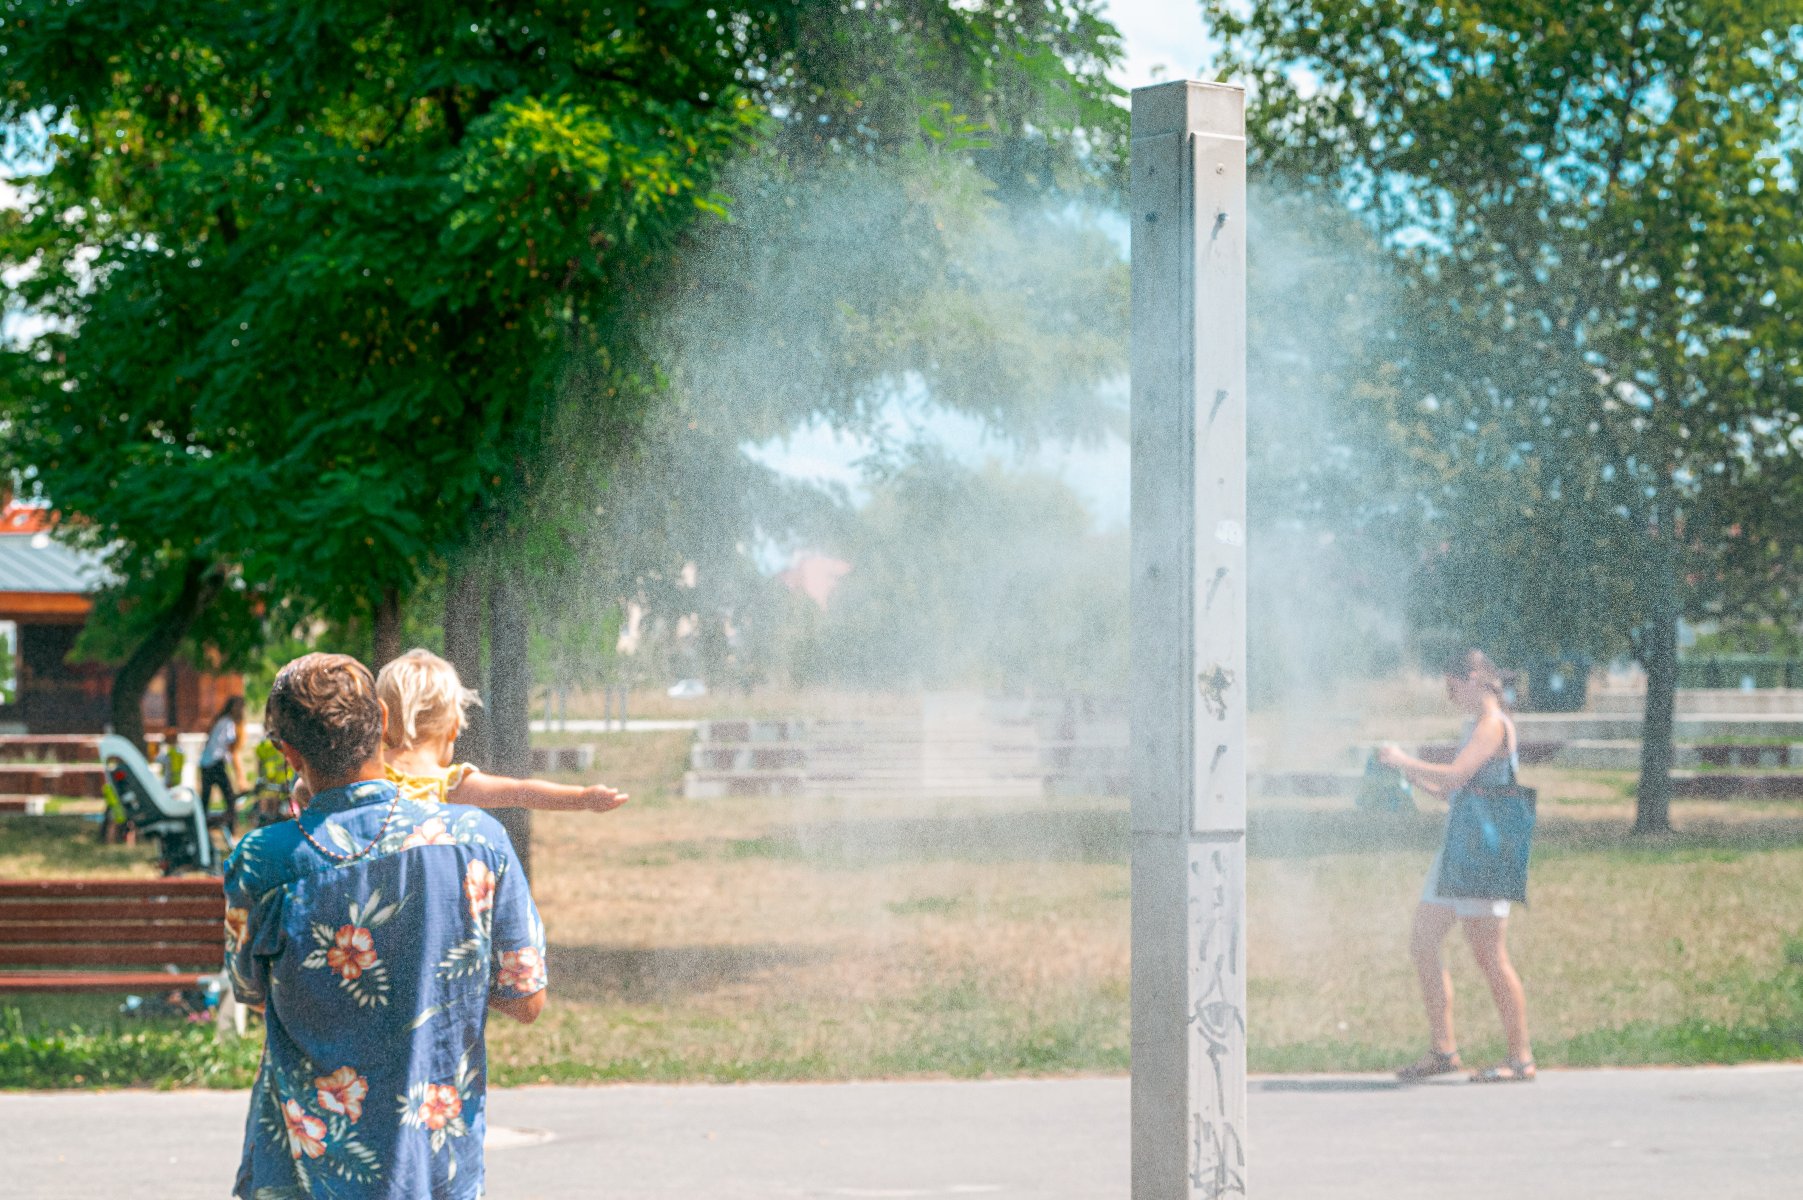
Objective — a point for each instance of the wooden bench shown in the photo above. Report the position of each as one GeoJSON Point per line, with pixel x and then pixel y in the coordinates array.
{"type": "Point", "coordinates": [110, 935]}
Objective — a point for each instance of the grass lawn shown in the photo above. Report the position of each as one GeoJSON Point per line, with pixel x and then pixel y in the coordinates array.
{"type": "Point", "coordinates": [756, 938]}
{"type": "Point", "coordinates": [750, 938]}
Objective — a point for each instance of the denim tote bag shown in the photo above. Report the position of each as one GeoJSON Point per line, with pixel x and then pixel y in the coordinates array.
{"type": "Point", "coordinates": [1488, 837]}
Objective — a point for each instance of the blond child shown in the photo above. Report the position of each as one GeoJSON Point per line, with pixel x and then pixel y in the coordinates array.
{"type": "Point", "coordinates": [427, 703]}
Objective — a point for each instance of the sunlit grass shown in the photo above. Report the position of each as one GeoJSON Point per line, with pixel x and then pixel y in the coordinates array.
{"type": "Point", "coordinates": [63, 846]}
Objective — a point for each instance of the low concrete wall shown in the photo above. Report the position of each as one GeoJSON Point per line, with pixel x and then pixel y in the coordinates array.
{"type": "Point", "coordinates": [1704, 702]}
{"type": "Point", "coordinates": [1573, 727]}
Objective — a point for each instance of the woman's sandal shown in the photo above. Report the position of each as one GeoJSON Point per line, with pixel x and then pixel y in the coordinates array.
{"type": "Point", "coordinates": [1514, 1070]}
{"type": "Point", "coordinates": [1430, 1065]}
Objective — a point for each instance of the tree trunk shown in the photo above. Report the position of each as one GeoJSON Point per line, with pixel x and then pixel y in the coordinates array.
{"type": "Point", "coordinates": [1659, 655]}
{"type": "Point", "coordinates": [200, 585]}
{"type": "Point", "coordinates": [388, 627]}
{"type": "Point", "coordinates": [463, 647]}
{"type": "Point", "coordinates": [510, 699]}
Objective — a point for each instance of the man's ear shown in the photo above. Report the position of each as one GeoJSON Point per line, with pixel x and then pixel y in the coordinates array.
{"type": "Point", "coordinates": [290, 757]}
{"type": "Point", "coordinates": [384, 707]}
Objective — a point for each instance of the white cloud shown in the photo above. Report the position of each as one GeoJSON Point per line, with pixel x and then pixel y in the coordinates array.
{"type": "Point", "coordinates": [1164, 40]}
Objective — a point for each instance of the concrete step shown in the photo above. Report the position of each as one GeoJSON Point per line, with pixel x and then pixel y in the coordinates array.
{"type": "Point", "coordinates": [1569, 727]}
{"type": "Point", "coordinates": [1705, 702]}
{"type": "Point", "coordinates": [1738, 785]}
{"type": "Point", "coordinates": [698, 785]}
{"type": "Point", "coordinates": [563, 758]}
{"type": "Point", "coordinates": [747, 756]}
{"type": "Point", "coordinates": [1697, 785]}
{"type": "Point", "coordinates": [1305, 784]}
{"type": "Point", "coordinates": [1087, 785]}
{"type": "Point", "coordinates": [1624, 755]}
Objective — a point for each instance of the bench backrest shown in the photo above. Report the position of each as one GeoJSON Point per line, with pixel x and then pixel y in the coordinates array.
{"type": "Point", "coordinates": [112, 923]}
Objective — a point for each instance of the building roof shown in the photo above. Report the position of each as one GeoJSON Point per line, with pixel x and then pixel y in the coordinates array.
{"type": "Point", "coordinates": [815, 576]}
{"type": "Point", "coordinates": [23, 518]}
{"type": "Point", "coordinates": [36, 562]}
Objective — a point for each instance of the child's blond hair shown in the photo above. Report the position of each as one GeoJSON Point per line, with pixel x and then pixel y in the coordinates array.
{"type": "Point", "coordinates": [424, 698]}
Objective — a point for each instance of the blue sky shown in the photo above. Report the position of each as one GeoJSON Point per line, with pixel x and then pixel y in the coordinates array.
{"type": "Point", "coordinates": [1164, 40]}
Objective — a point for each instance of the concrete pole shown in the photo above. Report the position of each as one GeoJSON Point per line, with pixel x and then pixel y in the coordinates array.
{"type": "Point", "coordinates": [1189, 641]}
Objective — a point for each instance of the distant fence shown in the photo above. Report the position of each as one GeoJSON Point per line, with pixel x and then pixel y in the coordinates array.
{"type": "Point", "coordinates": [1745, 672]}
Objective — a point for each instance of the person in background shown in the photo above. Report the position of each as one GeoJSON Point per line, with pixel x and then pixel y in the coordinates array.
{"type": "Point", "coordinates": [1486, 757]}
{"type": "Point", "coordinates": [375, 932]}
{"type": "Point", "coordinates": [219, 761]}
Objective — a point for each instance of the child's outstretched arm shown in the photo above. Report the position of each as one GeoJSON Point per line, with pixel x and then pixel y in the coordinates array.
{"type": "Point", "coordinates": [499, 791]}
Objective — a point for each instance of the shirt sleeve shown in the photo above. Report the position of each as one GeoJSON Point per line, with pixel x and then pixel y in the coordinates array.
{"type": "Point", "coordinates": [518, 934]}
{"type": "Point", "coordinates": [253, 926]}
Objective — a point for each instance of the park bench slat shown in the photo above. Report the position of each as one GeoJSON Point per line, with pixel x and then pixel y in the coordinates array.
{"type": "Point", "coordinates": [158, 934]}
{"type": "Point", "coordinates": [61, 932]}
{"type": "Point", "coordinates": [148, 954]}
{"type": "Point", "coordinates": [28, 888]}
{"type": "Point", "coordinates": [98, 981]}
{"type": "Point", "coordinates": [110, 910]}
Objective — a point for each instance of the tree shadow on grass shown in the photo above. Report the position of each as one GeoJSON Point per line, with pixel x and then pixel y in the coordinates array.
{"type": "Point", "coordinates": [1096, 836]}
{"type": "Point", "coordinates": [1311, 834]}
{"type": "Point", "coordinates": [1721, 838]}
{"type": "Point", "coordinates": [639, 975]}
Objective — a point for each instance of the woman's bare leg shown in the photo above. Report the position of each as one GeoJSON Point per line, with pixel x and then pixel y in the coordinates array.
{"type": "Point", "coordinates": [1431, 923]}
{"type": "Point", "coordinates": [1488, 938]}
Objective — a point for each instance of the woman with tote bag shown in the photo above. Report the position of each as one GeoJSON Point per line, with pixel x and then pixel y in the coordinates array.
{"type": "Point", "coordinates": [1481, 787]}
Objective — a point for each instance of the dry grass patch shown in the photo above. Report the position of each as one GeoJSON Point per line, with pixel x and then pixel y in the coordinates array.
{"type": "Point", "coordinates": [780, 938]}
{"type": "Point", "coordinates": [772, 938]}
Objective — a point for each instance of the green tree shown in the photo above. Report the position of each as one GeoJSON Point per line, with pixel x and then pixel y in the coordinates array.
{"type": "Point", "coordinates": [1596, 208]}
{"type": "Point", "coordinates": [371, 241]}
{"type": "Point", "coordinates": [314, 272]}
{"type": "Point", "coordinates": [340, 291]}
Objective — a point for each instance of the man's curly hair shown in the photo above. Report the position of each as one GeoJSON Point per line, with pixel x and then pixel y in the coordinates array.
{"type": "Point", "coordinates": [325, 707]}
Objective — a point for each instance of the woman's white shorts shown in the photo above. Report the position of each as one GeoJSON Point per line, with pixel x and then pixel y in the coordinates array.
{"type": "Point", "coordinates": [1460, 905]}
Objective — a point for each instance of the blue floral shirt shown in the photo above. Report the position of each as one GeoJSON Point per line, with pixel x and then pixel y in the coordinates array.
{"type": "Point", "coordinates": [376, 969]}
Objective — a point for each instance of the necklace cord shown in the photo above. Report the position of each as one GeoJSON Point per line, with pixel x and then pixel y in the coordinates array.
{"type": "Point", "coordinates": [382, 832]}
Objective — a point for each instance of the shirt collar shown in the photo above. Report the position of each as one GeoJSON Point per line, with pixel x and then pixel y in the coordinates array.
{"type": "Point", "coordinates": [354, 795]}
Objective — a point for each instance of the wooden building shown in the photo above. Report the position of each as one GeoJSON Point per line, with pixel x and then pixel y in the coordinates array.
{"type": "Point", "coordinates": [46, 594]}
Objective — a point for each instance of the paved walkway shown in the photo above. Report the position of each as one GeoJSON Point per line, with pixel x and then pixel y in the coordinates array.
{"type": "Point", "coordinates": [1594, 1135]}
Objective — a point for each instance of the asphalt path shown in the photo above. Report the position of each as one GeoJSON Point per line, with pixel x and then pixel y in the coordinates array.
{"type": "Point", "coordinates": [1595, 1135]}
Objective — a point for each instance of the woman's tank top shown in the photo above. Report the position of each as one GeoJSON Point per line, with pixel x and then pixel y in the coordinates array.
{"type": "Point", "coordinates": [1501, 770]}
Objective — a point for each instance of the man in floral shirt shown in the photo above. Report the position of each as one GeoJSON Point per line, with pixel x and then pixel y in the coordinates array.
{"type": "Point", "coordinates": [376, 933]}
